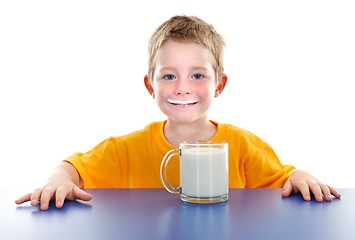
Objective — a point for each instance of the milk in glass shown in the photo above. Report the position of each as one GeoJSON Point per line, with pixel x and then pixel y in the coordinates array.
{"type": "Point", "coordinates": [204, 172]}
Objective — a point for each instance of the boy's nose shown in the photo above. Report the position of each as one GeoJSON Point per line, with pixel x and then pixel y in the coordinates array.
{"type": "Point", "coordinates": [183, 87]}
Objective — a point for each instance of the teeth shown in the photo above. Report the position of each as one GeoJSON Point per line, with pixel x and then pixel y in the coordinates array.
{"type": "Point", "coordinates": [181, 102]}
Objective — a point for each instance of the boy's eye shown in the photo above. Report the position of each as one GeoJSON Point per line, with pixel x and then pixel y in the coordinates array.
{"type": "Point", "coordinates": [169, 77]}
{"type": "Point", "coordinates": [197, 76]}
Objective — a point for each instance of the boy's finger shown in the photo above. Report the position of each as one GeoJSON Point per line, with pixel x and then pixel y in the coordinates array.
{"type": "Point", "coordinates": [81, 194]}
{"type": "Point", "coordinates": [326, 192]}
{"type": "Point", "coordinates": [316, 189]}
{"type": "Point", "coordinates": [287, 189]}
{"type": "Point", "coordinates": [24, 198]}
{"type": "Point", "coordinates": [334, 192]}
{"type": "Point", "coordinates": [35, 197]}
{"type": "Point", "coordinates": [46, 196]}
{"type": "Point", "coordinates": [60, 196]}
{"type": "Point", "coordinates": [304, 189]}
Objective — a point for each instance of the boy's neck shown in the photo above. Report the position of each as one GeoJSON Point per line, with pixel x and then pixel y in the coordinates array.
{"type": "Point", "coordinates": [175, 133]}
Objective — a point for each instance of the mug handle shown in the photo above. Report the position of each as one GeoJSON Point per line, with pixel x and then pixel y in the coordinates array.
{"type": "Point", "coordinates": [163, 175]}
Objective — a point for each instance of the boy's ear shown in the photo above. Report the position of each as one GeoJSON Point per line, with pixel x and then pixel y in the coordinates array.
{"type": "Point", "coordinates": [149, 86]}
{"type": "Point", "coordinates": [222, 83]}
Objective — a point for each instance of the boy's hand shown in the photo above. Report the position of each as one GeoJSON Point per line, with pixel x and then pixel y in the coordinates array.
{"type": "Point", "coordinates": [305, 183]}
{"type": "Point", "coordinates": [59, 192]}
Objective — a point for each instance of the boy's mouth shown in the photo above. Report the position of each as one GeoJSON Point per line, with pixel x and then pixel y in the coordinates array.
{"type": "Point", "coordinates": [182, 103]}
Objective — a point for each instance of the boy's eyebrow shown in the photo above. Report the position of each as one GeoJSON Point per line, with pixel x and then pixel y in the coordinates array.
{"type": "Point", "coordinates": [166, 68]}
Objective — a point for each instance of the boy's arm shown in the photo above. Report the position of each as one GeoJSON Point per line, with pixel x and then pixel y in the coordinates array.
{"type": "Point", "coordinates": [62, 184]}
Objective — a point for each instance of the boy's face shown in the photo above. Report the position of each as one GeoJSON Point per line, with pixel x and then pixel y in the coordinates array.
{"type": "Point", "coordinates": [184, 83]}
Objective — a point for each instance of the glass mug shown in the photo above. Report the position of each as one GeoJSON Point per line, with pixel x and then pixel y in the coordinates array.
{"type": "Point", "coordinates": [203, 171]}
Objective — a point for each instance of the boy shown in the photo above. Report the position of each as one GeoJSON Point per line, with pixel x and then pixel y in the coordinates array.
{"type": "Point", "coordinates": [185, 74]}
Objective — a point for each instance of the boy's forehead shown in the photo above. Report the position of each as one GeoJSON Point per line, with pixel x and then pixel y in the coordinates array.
{"type": "Point", "coordinates": [173, 50]}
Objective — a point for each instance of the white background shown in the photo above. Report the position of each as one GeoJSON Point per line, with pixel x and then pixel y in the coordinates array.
{"type": "Point", "coordinates": [71, 74]}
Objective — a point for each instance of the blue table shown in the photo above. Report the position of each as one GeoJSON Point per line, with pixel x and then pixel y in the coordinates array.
{"type": "Point", "coordinates": [156, 214]}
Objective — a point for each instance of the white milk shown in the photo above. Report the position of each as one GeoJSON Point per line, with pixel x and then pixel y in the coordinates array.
{"type": "Point", "coordinates": [204, 172]}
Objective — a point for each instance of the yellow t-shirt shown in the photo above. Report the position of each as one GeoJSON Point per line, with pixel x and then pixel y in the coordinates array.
{"type": "Point", "coordinates": [133, 160]}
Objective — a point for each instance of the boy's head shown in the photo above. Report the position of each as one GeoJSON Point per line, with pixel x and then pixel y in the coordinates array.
{"type": "Point", "coordinates": [189, 29]}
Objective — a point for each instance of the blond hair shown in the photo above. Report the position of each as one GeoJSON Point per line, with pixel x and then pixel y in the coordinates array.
{"type": "Point", "coordinates": [187, 29]}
